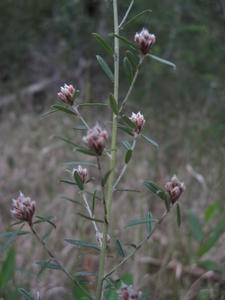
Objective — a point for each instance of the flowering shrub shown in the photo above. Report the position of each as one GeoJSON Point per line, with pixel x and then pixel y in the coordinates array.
{"type": "Point", "coordinates": [94, 144]}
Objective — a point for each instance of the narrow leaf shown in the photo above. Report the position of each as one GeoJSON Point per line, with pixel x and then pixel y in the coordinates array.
{"type": "Point", "coordinates": [128, 69]}
{"type": "Point", "coordinates": [178, 215]}
{"type": "Point", "coordinates": [129, 122]}
{"type": "Point", "coordinates": [126, 41]}
{"type": "Point", "coordinates": [85, 273]}
{"type": "Point", "coordinates": [25, 294]}
{"type": "Point", "coordinates": [125, 129]}
{"type": "Point", "coordinates": [105, 67]}
{"type": "Point", "coordinates": [106, 177]}
{"type": "Point", "coordinates": [66, 140]}
{"type": "Point", "coordinates": [86, 151]}
{"type": "Point", "coordinates": [103, 43]}
{"type": "Point", "coordinates": [72, 200]}
{"type": "Point", "coordinates": [68, 181]}
{"type": "Point", "coordinates": [150, 141]}
{"type": "Point", "coordinates": [195, 225]}
{"type": "Point", "coordinates": [12, 237]}
{"type": "Point", "coordinates": [132, 58]}
{"type": "Point", "coordinates": [93, 202]}
{"type": "Point", "coordinates": [8, 268]}
{"type": "Point", "coordinates": [48, 219]}
{"type": "Point", "coordinates": [120, 248]}
{"type": "Point", "coordinates": [156, 190]}
{"type": "Point", "coordinates": [48, 265]}
{"type": "Point", "coordinates": [210, 211]}
{"type": "Point", "coordinates": [164, 61]}
{"type": "Point", "coordinates": [128, 156]}
{"type": "Point", "coordinates": [136, 16]}
{"type": "Point", "coordinates": [82, 244]}
{"type": "Point", "coordinates": [127, 13]}
{"type": "Point", "coordinates": [89, 218]}
{"type": "Point", "coordinates": [63, 108]}
{"type": "Point", "coordinates": [78, 181]}
{"type": "Point", "coordinates": [113, 104]}
{"type": "Point", "coordinates": [92, 104]}
{"type": "Point", "coordinates": [126, 144]}
{"type": "Point", "coordinates": [139, 222]}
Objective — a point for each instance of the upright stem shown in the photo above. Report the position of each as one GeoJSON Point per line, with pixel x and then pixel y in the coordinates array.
{"type": "Point", "coordinates": [99, 292]}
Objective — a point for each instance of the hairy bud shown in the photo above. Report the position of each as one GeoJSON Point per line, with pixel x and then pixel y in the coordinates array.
{"type": "Point", "coordinates": [96, 139]}
{"type": "Point", "coordinates": [174, 188]}
{"type": "Point", "coordinates": [82, 172]}
{"type": "Point", "coordinates": [23, 208]}
{"type": "Point", "coordinates": [99, 238]}
{"type": "Point", "coordinates": [144, 40]}
{"type": "Point", "coordinates": [139, 120]}
{"type": "Point", "coordinates": [66, 94]}
{"type": "Point", "coordinates": [127, 293]}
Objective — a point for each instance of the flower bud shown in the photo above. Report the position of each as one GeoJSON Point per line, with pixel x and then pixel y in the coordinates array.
{"type": "Point", "coordinates": [139, 120]}
{"type": "Point", "coordinates": [144, 40]}
{"type": "Point", "coordinates": [23, 208]}
{"type": "Point", "coordinates": [82, 172]}
{"type": "Point", "coordinates": [99, 238]}
{"type": "Point", "coordinates": [66, 94]}
{"type": "Point", "coordinates": [96, 139]}
{"type": "Point", "coordinates": [174, 188]}
{"type": "Point", "coordinates": [127, 293]}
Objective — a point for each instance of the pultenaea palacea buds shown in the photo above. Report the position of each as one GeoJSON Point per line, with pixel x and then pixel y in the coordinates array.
{"type": "Point", "coordinates": [96, 139]}
{"type": "Point", "coordinates": [99, 238]}
{"type": "Point", "coordinates": [82, 172]}
{"type": "Point", "coordinates": [139, 120]}
{"type": "Point", "coordinates": [66, 94]}
{"type": "Point", "coordinates": [127, 293]}
{"type": "Point", "coordinates": [174, 188]}
{"type": "Point", "coordinates": [23, 208]}
{"type": "Point", "coordinates": [144, 40]}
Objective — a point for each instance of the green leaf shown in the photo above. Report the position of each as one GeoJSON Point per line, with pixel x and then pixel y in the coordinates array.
{"type": "Point", "coordinates": [211, 265]}
{"type": "Point", "coordinates": [105, 67]}
{"type": "Point", "coordinates": [120, 248]}
{"type": "Point", "coordinates": [47, 234]}
{"type": "Point", "coordinates": [68, 181]}
{"type": "Point", "coordinates": [63, 108]}
{"type": "Point", "coordinates": [72, 200]}
{"type": "Point", "coordinates": [129, 122]}
{"type": "Point", "coordinates": [25, 294]}
{"type": "Point", "coordinates": [82, 244]}
{"type": "Point", "coordinates": [136, 16]}
{"type": "Point", "coordinates": [8, 268]}
{"type": "Point", "coordinates": [92, 104]}
{"type": "Point", "coordinates": [159, 192]}
{"type": "Point", "coordinates": [103, 43]}
{"type": "Point", "coordinates": [12, 237]}
{"type": "Point", "coordinates": [132, 58]}
{"type": "Point", "coordinates": [195, 226]}
{"type": "Point", "coordinates": [126, 144]}
{"type": "Point", "coordinates": [48, 265]}
{"type": "Point", "coordinates": [212, 238]}
{"type": "Point", "coordinates": [66, 140]}
{"type": "Point", "coordinates": [85, 273]}
{"type": "Point", "coordinates": [86, 151]}
{"type": "Point", "coordinates": [178, 215]}
{"type": "Point", "coordinates": [125, 129]}
{"type": "Point", "coordinates": [113, 104]}
{"type": "Point", "coordinates": [128, 156]}
{"type": "Point", "coordinates": [126, 14]}
{"type": "Point", "coordinates": [150, 141]}
{"type": "Point", "coordinates": [128, 190]}
{"type": "Point", "coordinates": [128, 69]}
{"type": "Point", "coordinates": [48, 219]}
{"type": "Point", "coordinates": [106, 177]}
{"type": "Point", "coordinates": [164, 61]}
{"type": "Point", "coordinates": [91, 219]}
{"type": "Point", "coordinates": [126, 41]}
{"type": "Point", "coordinates": [149, 223]}
{"type": "Point", "coordinates": [210, 211]}
{"type": "Point", "coordinates": [80, 127]}
{"type": "Point", "coordinates": [78, 181]}
{"type": "Point", "coordinates": [139, 222]}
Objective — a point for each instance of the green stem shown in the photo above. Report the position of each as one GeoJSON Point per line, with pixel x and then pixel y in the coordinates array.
{"type": "Point", "coordinates": [99, 292]}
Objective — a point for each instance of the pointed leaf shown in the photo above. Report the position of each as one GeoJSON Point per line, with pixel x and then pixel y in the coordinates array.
{"type": "Point", "coordinates": [164, 61]}
{"type": "Point", "coordinates": [128, 69]}
{"type": "Point", "coordinates": [72, 200]}
{"type": "Point", "coordinates": [120, 248]}
{"type": "Point", "coordinates": [89, 218]}
{"type": "Point", "coordinates": [48, 265]}
{"type": "Point", "coordinates": [128, 156]}
{"type": "Point", "coordinates": [129, 122]}
{"type": "Point", "coordinates": [103, 43]}
{"type": "Point", "coordinates": [106, 177]}
{"type": "Point", "coordinates": [125, 129]}
{"type": "Point", "coordinates": [48, 219]}
{"type": "Point", "coordinates": [25, 294]}
{"type": "Point", "coordinates": [66, 140]}
{"type": "Point", "coordinates": [210, 211]}
{"type": "Point", "coordinates": [82, 244]}
{"type": "Point", "coordinates": [113, 104]}
{"type": "Point", "coordinates": [8, 268]}
{"type": "Point", "coordinates": [195, 225]}
{"type": "Point", "coordinates": [85, 273]}
{"type": "Point", "coordinates": [93, 202]}
{"type": "Point", "coordinates": [68, 181]}
{"type": "Point", "coordinates": [149, 223]}
{"type": "Point", "coordinates": [86, 151]}
{"type": "Point", "coordinates": [126, 41]}
{"type": "Point", "coordinates": [136, 16]}
{"type": "Point", "coordinates": [12, 237]}
{"type": "Point", "coordinates": [132, 58]}
{"type": "Point", "coordinates": [78, 181]}
{"type": "Point", "coordinates": [105, 67]}
{"type": "Point", "coordinates": [92, 104]}
{"type": "Point", "coordinates": [63, 108]}
{"type": "Point", "coordinates": [150, 141]}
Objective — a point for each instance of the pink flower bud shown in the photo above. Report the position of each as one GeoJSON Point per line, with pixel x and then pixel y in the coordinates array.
{"type": "Point", "coordinates": [127, 293]}
{"type": "Point", "coordinates": [23, 208]}
{"type": "Point", "coordinates": [139, 120]}
{"type": "Point", "coordinates": [96, 139]}
{"type": "Point", "coordinates": [144, 40]}
{"type": "Point", "coordinates": [82, 172]}
{"type": "Point", "coordinates": [66, 94]}
{"type": "Point", "coordinates": [99, 237]}
{"type": "Point", "coordinates": [174, 188]}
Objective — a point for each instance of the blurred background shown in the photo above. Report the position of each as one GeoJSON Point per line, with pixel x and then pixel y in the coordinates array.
{"type": "Point", "coordinates": [44, 44]}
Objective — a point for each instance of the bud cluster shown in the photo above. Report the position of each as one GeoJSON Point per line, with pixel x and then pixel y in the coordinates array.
{"type": "Point", "coordinates": [127, 293]}
{"type": "Point", "coordinates": [139, 120]}
{"type": "Point", "coordinates": [82, 172]}
{"type": "Point", "coordinates": [66, 94]}
{"type": "Point", "coordinates": [174, 188]}
{"type": "Point", "coordinates": [99, 238]}
{"type": "Point", "coordinates": [144, 40]}
{"type": "Point", "coordinates": [96, 139]}
{"type": "Point", "coordinates": [23, 208]}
